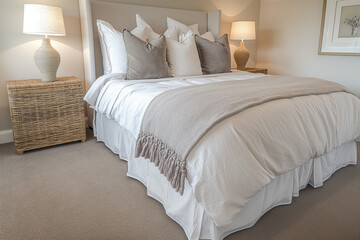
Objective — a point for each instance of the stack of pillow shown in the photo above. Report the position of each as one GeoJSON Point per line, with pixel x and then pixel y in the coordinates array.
{"type": "Point", "coordinates": [145, 54]}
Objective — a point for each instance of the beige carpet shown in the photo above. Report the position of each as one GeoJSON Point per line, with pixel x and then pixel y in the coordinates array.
{"type": "Point", "coordinates": [80, 191]}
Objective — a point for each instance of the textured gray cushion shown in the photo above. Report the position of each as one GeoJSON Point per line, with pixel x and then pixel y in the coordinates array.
{"type": "Point", "coordinates": [145, 60]}
{"type": "Point", "coordinates": [215, 56]}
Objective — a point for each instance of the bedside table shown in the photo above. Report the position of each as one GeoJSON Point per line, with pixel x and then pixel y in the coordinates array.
{"type": "Point", "coordinates": [255, 70]}
{"type": "Point", "coordinates": [46, 114]}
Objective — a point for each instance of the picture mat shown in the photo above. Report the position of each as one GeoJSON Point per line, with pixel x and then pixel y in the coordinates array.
{"type": "Point", "coordinates": [330, 43]}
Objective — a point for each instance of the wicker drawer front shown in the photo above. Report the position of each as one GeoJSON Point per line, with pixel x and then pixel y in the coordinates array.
{"type": "Point", "coordinates": [257, 70]}
{"type": "Point", "coordinates": [45, 114]}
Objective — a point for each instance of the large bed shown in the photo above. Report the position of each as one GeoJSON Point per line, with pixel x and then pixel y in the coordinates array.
{"type": "Point", "coordinates": [244, 164]}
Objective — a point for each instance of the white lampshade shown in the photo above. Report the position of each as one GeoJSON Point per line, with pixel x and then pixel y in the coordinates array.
{"type": "Point", "coordinates": [243, 30]}
{"type": "Point", "coordinates": [43, 20]}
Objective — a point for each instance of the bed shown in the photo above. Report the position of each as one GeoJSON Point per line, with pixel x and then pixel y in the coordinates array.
{"type": "Point", "coordinates": [120, 106]}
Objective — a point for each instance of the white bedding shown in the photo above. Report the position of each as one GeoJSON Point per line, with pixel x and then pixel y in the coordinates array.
{"type": "Point", "coordinates": [125, 103]}
{"type": "Point", "coordinates": [187, 212]}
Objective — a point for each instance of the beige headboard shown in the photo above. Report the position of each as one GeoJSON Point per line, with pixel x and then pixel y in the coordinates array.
{"type": "Point", "coordinates": [123, 16]}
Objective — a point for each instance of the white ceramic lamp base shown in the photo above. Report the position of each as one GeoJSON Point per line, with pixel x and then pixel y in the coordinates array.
{"type": "Point", "coordinates": [47, 59]}
{"type": "Point", "coordinates": [241, 56]}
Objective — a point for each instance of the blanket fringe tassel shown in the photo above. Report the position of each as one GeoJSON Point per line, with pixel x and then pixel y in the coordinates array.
{"type": "Point", "coordinates": [170, 164]}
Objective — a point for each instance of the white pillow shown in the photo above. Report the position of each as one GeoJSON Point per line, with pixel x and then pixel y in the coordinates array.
{"type": "Point", "coordinates": [140, 21]}
{"type": "Point", "coordinates": [113, 46]}
{"type": "Point", "coordinates": [208, 36]}
{"type": "Point", "coordinates": [144, 33]}
{"type": "Point", "coordinates": [182, 28]}
{"type": "Point", "coordinates": [182, 56]}
{"type": "Point", "coordinates": [150, 34]}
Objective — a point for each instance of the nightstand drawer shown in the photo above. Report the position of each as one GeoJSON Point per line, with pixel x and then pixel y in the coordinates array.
{"type": "Point", "coordinates": [46, 114]}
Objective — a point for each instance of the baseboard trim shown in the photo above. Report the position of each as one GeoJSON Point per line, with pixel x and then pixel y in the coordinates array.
{"type": "Point", "coordinates": [6, 136]}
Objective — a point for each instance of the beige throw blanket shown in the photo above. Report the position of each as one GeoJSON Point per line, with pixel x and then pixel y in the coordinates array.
{"type": "Point", "coordinates": [176, 120]}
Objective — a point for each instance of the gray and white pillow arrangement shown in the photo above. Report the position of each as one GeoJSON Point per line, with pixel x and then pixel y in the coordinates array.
{"type": "Point", "coordinates": [180, 51]}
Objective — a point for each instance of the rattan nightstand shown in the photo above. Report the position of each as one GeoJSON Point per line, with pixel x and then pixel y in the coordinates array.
{"type": "Point", "coordinates": [255, 70]}
{"type": "Point", "coordinates": [46, 114]}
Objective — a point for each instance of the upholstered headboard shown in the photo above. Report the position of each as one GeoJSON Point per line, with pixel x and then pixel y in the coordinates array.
{"type": "Point", "coordinates": [123, 16]}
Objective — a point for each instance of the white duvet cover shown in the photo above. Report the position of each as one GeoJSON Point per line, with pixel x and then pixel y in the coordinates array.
{"type": "Point", "coordinates": [126, 101]}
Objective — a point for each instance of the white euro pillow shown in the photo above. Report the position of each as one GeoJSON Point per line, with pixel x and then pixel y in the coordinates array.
{"type": "Point", "coordinates": [181, 27]}
{"type": "Point", "coordinates": [113, 48]}
{"type": "Point", "coordinates": [140, 21]}
{"type": "Point", "coordinates": [150, 34]}
{"type": "Point", "coordinates": [208, 36]}
{"type": "Point", "coordinates": [182, 56]}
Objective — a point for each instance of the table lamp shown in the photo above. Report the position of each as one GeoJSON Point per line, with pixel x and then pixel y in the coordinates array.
{"type": "Point", "coordinates": [48, 21]}
{"type": "Point", "coordinates": [242, 30]}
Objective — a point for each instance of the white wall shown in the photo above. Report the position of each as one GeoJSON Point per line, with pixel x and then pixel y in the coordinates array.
{"type": "Point", "coordinates": [288, 43]}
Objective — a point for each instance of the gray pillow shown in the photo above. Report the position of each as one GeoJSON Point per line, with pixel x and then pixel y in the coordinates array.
{"type": "Point", "coordinates": [215, 56]}
{"type": "Point", "coordinates": [145, 60]}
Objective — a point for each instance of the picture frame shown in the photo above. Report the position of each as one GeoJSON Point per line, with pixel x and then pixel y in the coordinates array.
{"type": "Point", "coordinates": [340, 28]}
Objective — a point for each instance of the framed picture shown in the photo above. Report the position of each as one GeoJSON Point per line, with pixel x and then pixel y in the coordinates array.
{"type": "Point", "coordinates": [340, 28]}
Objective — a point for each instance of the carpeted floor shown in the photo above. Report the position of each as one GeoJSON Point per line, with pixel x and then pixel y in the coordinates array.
{"type": "Point", "coordinates": [81, 191]}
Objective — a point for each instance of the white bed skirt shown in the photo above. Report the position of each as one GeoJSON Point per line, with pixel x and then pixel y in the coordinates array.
{"type": "Point", "coordinates": [187, 212]}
